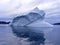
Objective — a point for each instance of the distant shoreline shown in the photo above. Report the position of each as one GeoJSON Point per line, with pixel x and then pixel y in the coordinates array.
{"type": "Point", "coordinates": [3, 22]}
{"type": "Point", "coordinates": [56, 24]}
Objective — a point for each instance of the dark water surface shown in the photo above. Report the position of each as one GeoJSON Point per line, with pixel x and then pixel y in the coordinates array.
{"type": "Point", "coordinates": [8, 35]}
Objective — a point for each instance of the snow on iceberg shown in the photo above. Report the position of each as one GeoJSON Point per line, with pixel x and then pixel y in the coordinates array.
{"type": "Point", "coordinates": [39, 23]}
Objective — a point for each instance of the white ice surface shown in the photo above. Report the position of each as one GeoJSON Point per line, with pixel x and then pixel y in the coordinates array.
{"type": "Point", "coordinates": [40, 23]}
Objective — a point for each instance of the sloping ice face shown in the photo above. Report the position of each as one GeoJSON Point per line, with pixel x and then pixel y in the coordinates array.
{"type": "Point", "coordinates": [21, 21]}
{"type": "Point", "coordinates": [29, 18]}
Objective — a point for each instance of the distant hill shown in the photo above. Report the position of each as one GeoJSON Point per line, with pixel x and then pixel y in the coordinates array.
{"type": "Point", "coordinates": [56, 24]}
{"type": "Point", "coordinates": [3, 22]}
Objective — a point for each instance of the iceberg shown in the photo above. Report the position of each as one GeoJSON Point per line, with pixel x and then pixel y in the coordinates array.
{"type": "Point", "coordinates": [29, 18]}
{"type": "Point", "coordinates": [32, 20]}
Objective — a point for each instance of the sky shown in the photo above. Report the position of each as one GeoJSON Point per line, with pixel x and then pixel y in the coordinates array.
{"type": "Point", "coordinates": [9, 8]}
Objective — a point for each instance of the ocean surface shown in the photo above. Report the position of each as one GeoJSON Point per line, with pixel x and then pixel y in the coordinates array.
{"type": "Point", "coordinates": [8, 37]}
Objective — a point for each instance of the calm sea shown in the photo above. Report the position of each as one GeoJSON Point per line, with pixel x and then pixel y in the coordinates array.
{"type": "Point", "coordinates": [8, 37]}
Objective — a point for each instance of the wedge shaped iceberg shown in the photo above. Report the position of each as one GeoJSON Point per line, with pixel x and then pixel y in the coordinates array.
{"type": "Point", "coordinates": [29, 18]}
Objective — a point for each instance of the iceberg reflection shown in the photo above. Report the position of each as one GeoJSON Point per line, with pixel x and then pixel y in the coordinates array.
{"type": "Point", "coordinates": [34, 35]}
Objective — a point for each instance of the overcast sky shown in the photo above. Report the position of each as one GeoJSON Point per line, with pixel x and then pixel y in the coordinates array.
{"type": "Point", "coordinates": [9, 8]}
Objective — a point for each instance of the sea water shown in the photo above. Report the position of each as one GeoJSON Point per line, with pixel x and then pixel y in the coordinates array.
{"type": "Point", "coordinates": [7, 36]}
